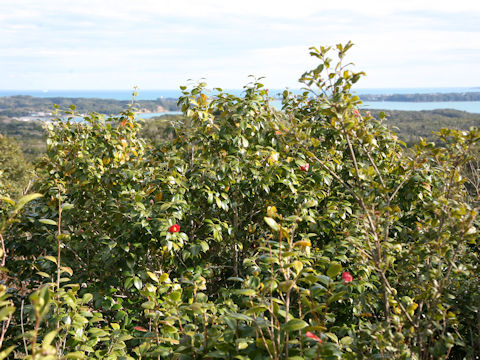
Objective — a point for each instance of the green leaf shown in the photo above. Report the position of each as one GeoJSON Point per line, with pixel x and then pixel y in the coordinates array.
{"type": "Point", "coordinates": [272, 223]}
{"type": "Point", "coordinates": [6, 352]}
{"type": "Point", "coordinates": [87, 298]}
{"type": "Point", "coordinates": [241, 343]}
{"type": "Point", "coordinates": [75, 355]}
{"type": "Point", "coordinates": [336, 296]}
{"type": "Point", "coordinates": [295, 325]}
{"type": "Point", "coordinates": [196, 308]}
{"type": "Point", "coordinates": [47, 340]}
{"type": "Point", "coordinates": [96, 332]}
{"type": "Point", "coordinates": [246, 292]}
{"type": "Point", "coordinates": [67, 206]}
{"type": "Point", "coordinates": [239, 316]}
{"type": "Point", "coordinates": [148, 305]}
{"type": "Point", "coordinates": [175, 296]}
{"type": "Point", "coordinates": [256, 310]}
{"type": "Point", "coordinates": [334, 269]}
{"type": "Point", "coordinates": [44, 274]}
{"type": "Point", "coordinates": [286, 285]}
{"type": "Point", "coordinates": [231, 323]}
{"type": "Point", "coordinates": [332, 337]}
{"type": "Point", "coordinates": [137, 282]}
{"type": "Point", "coordinates": [26, 199]}
{"type": "Point", "coordinates": [346, 340]}
{"type": "Point", "coordinates": [5, 312]}
{"type": "Point", "coordinates": [48, 222]}
{"type": "Point", "coordinates": [298, 266]}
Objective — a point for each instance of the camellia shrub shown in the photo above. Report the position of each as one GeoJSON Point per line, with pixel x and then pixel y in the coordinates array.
{"type": "Point", "coordinates": [306, 232]}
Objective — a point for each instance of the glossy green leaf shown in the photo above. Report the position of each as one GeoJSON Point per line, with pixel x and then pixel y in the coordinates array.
{"type": "Point", "coordinates": [48, 222]}
{"type": "Point", "coordinates": [334, 269]}
{"type": "Point", "coordinates": [295, 325]}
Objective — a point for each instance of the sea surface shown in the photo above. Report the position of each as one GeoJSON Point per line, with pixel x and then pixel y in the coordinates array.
{"type": "Point", "coordinates": [470, 106]}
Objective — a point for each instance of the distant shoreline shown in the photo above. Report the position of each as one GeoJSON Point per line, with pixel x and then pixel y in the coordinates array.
{"type": "Point", "coordinates": [27, 107]}
{"type": "Point", "coordinates": [156, 94]}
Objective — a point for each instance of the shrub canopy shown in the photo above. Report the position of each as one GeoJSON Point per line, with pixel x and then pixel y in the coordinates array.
{"type": "Point", "coordinates": [251, 233]}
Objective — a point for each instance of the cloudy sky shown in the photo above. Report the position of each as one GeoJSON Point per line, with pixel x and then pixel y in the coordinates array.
{"type": "Point", "coordinates": [159, 44]}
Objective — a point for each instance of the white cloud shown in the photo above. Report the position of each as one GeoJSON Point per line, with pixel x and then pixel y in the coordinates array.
{"type": "Point", "coordinates": [54, 43]}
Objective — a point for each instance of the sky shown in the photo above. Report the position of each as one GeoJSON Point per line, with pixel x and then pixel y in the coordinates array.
{"type": "Point", "coordinates": [161, 44]}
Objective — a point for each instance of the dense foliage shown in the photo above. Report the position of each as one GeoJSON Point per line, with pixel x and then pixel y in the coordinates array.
{"type": "Point", "coordinates": [251, 233]}
{"type": "Point", "coordinates": [159, 129]}
{"type": "Point", "coordinates": [14, 169]}
{"type": "Point", "coordinates": [409, 126]}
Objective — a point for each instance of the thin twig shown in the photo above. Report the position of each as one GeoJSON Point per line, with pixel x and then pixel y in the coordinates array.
{"type": "Point", "coordinates": [23, 328]}
{"type": "Point", "coordinates": [374, 166]}
{"type": "Point", "coordinates": [4, 253]}
{"type": "Point", "coordinates": [5, 326]}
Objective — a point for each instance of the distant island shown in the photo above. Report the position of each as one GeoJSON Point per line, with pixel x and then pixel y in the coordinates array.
{"type": "Point", "coordinates": [29, 106]}
{"type": "Point", "coordinates": [435, 97]}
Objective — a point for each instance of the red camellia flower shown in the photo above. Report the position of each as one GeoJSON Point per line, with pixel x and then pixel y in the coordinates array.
{"type": "Point", "coordinates": [347, 277]}
{"type": "Point", "coordinates": [356, 112]}
{"type": "Point", "coordinates": [313, 336]}
{"type": "Point", "coordinates": [305, 167]}
{"type": "Point", "coordinates": [174, 228]}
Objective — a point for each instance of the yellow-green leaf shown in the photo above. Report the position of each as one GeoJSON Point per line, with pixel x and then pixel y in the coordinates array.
{"type": "Point", "coordinates": [48, 222]}
{"type": "Point", "coordinates": [272, 223]}
{"type": "Point", "coordinates": [7, 200]}
{"type": "Point", "coordinates": [67, 269]}
{"type": "Point", "coordinates": [153, 276]}
{"type": "Point", "coordinates": [50, 258]}
{"type": "Point", "coordinates": [26, 199]}
{"type": "Point", "coordinates": [47, 340]}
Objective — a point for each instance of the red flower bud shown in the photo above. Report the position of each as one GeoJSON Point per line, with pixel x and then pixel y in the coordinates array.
{"type": "Point", "coordinates": [305, 167]}
{"type": "Point", "coordinates": [174, 228]}
{"type": "Point", "coordinates": [140, 328]}
{"type": "Point", "coordinates": [313, 336]}
{"type": "Point", "coordinates": [347, 277]}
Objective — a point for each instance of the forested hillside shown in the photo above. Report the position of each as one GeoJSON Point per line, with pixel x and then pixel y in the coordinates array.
{"type": "Point", "coordinates": [411, 125]}
{"type": "Point", "coordinates": [30, 135]}
{"type": "Point", "coordinates": [22, 105]}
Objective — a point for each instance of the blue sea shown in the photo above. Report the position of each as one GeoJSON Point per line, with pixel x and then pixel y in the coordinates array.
{"type": "Point", "coordinates": [470, 106]}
